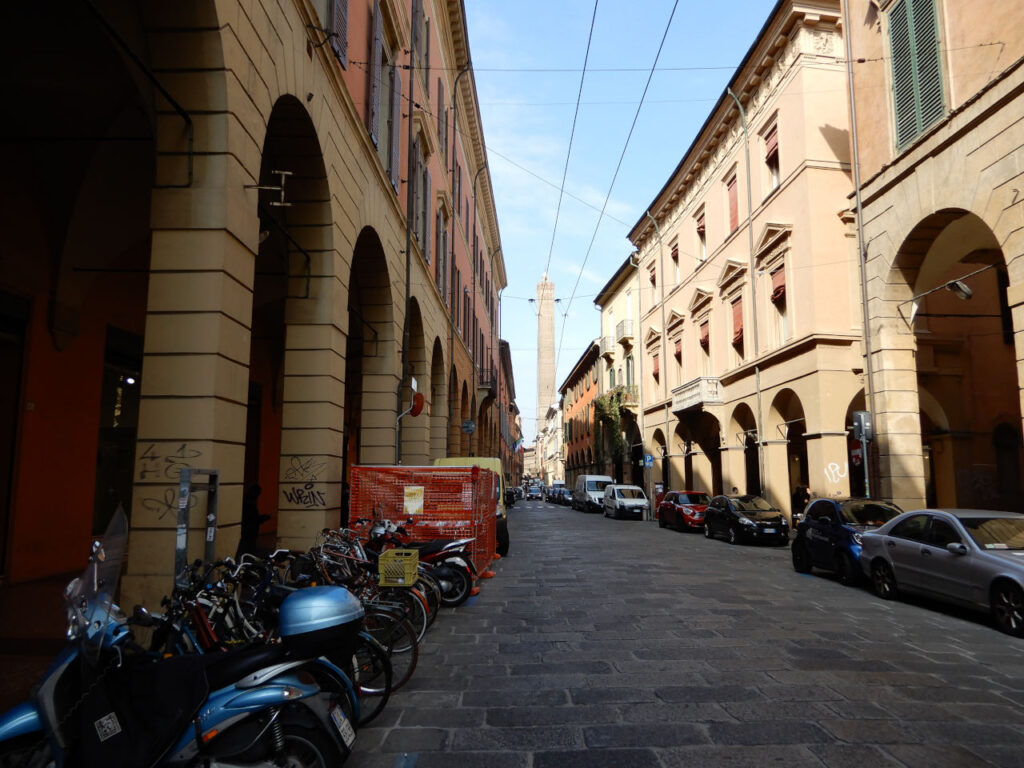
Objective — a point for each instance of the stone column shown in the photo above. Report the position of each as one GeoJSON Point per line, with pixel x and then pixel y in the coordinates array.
{"type": "Point", "coordinates": [828, 470]}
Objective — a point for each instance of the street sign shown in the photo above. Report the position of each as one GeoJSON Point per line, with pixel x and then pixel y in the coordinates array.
{"type": "Point", "coordinates": [469, 426]}
{"type": "Point", "coordinates": [648, 460]}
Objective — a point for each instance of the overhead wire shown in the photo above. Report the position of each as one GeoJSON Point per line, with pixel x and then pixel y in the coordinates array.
{"type": "Point", "coordinates": [572, 135]}
{"type": "Point", "coordinates": [615, 176]}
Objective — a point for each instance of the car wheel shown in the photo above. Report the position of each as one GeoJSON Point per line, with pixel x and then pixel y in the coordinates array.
{"type": "Point", "coordinates": [707, 531]}
{"type": "Point", "coordinates": [847, 570]}
{"type": "Point", "coordinates": [1008, 608]}
{"type": "Point", "coordinates": [883, 580]}
{"type": "Point", "coordinates": [801, 558]}
{"type": "Point", "coordinates": [734, 536]}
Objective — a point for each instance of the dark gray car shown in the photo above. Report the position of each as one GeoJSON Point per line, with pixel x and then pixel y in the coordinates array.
{"type": "Point", "coordinates": [969, 557]}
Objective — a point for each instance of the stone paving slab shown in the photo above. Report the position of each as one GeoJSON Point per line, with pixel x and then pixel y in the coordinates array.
{"type": "Point", "coordinates": [616, 643]}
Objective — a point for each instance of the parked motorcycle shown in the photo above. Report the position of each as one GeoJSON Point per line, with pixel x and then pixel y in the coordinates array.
{"type": "Point", "coordinates": [449, 559]}
{"type": "Point", "coordinates": [106, 701]}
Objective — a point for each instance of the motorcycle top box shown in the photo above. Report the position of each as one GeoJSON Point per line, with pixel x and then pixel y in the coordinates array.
{"type": "Point", "coordinates": [320, 619]}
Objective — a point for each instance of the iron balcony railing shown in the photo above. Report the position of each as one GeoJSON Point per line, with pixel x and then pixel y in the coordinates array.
{"type": "Point", "coordinates": [624, 331]}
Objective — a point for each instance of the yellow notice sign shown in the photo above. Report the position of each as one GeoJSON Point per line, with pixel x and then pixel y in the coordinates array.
{"type": "Point", "coordinates": [413, 499]}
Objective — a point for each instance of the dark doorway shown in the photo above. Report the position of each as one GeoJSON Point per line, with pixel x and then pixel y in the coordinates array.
{"type": "Point", "coordinates": [14, 313]}
{"type": "Point", "coordinates": [119, 421]}
{"type": "Point", "coordinates": [752, 465]}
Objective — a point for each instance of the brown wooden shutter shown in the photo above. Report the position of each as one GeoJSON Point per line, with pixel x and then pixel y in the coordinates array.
{"type": "Point", "coordinates": [654, 277]}
{"type": "Point", "coordinates": [656, 368]}
{"type": "Point", "coordinates": [705, 334]}
{"type": "Point", "coordinates": [779, 285]}
{"type": "Point", "coordinates": [737, 321]}
{"type": "Point", "coordinates": [426, 214]}
{"type": "Point", "coordinates": [679, 349]}
{"type": "Point", "coordinates": [396, 126]}
{"type": "Point", "coordinates": [339, 28]}
{"type": "Point", "coordinates": [771, 143]}
{"type": "Point", "coordinates": [700, 225]}
{"type": "Point", "coordinates": [373, 108]}
{"type": "Point", "coordinates": [734, 205]}
{"type": "Point", "coordinates": [675, 252]}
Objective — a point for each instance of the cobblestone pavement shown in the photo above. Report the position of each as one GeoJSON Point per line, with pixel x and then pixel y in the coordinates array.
{"type": "Point", "coordinates": [615, 643]}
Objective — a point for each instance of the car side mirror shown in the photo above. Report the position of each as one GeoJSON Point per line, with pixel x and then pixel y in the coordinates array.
{"type": "Point", "coordinates": [957, 547]}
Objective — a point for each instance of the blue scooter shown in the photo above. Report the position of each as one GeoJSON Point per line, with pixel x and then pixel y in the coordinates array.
{"type": "Point", "coordinates": [105, 702]}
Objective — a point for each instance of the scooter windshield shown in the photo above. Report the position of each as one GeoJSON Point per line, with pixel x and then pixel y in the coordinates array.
{"type": "Point", "coordinates": [90, 597]}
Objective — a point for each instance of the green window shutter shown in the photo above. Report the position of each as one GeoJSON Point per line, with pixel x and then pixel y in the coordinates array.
{"type": "Point", "coordinates": [916, 68]}
{"type": "Point", "coordinates": [929, 64]}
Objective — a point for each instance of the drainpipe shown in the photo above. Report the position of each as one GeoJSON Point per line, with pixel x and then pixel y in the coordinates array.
{"type": "Point", "coordinates": [451, 262]}
{"type": "Point", "coordinates": [753, 296]}
{"type": "Point", "coordinates": [664, 348]}
{"type": "Point", "coordinates": [476, 290]}
{"type": "Point", "coordinates": [410, 201]}
{"type": "Point", "coordinates": [861, 250]}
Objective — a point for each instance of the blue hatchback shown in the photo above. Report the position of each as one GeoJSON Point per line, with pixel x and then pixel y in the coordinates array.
{"type": "Point", "coordinates": [828, 537]}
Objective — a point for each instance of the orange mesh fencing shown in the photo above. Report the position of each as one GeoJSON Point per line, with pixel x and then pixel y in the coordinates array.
{"type": "Point", "coordinates": [458, 503]}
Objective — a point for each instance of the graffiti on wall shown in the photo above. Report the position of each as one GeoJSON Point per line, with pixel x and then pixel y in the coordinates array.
{"type": "Point", "coordinates": [305, 487]}
{"type": "Point", "coordinates": [164, 461]}
{"type": "Point", "coordinates": [836, 472]}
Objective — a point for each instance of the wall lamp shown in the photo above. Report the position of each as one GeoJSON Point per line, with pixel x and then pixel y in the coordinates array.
{"type": "Point", "coordinates": [957, 287]}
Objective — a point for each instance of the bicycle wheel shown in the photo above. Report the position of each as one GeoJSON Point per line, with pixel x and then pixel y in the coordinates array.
{"type": "Point", "coordinates": [394, 633]}
{"type": "Point", "coordinates": [428, 585]}
{"type": "Point", "coordinates": [372, 676]}
{"type": "Point", "coordinates": [411, 606]}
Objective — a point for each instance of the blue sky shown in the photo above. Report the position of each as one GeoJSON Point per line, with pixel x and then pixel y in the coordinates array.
{"type": "Point", "coordinates": [528, 56]}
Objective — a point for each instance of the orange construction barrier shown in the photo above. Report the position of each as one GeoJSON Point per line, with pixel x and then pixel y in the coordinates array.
{"type": "Point", "coordinates": [443, 503]}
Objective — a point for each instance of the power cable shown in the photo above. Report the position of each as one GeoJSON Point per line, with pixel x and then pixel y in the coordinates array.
{"type": "Point", "coordinates": [572, 135]}
{"type": "Point", "coordinates": [611, 186]}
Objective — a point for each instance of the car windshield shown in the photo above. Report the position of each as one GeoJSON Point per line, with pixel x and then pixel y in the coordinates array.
{"type": "Point", "coordinates": [752, 504]}
{"type": "Point", "coordinates": [996, 532]}
{"type": "Point", "coordinates": [866, 512]}
{"type": "Point", "coordinates": [597, 485]}
{"type": "Point", "coordinates": [630, 493]}
{"type": "Point", "coordinates": [694, 498]}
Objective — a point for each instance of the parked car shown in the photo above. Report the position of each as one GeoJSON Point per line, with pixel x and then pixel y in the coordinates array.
{"type": "Point", "coordinates": [588, 493]}
{"type": "Point", "coordinates": [829, 535]}
{"type": "Point", "coordinates": [683, 510]}
{"type": "Point", "coordinates": [623, 501]}
{"type": "Point", "coordinates": [745, 518]}
{"type": "Point", "coordinates": [969, 557]}
{"type": "Point", "coordinates": [533, 492]}
{"type": "Point", "coordinates": [562, 496]}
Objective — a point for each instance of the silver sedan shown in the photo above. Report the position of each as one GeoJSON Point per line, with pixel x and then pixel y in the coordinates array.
{"type": "Point", "coordinates": [969, 557]}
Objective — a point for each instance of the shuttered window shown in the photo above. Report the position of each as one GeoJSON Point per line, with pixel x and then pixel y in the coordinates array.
{"type": "Point", "coordinates": [916, 68]}
{"type": "Point", "coordinates": [339, 31]}
{"type": "Point", "coordinates": [425, 234]}
{"type": "Point", "coordinates": [778, 286]}
{"type": "Point", "coordinates": [656, 366]}
{"type": "Point", "coordinates": [395, 126]}
{"type": "Point", "coordinates": [373, 107]}
{"type": "Point", "coordinates": [705, 334]}
{"type": "Point", "coordinates": [734, 204]}
{"type": "Point", "coordinates": [679, 349]}
{"type": "Point", "coordinates": [737, 321]}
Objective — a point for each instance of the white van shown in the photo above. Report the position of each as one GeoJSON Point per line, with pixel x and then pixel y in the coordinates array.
{"type": "Point", "coordinates": [588, 493]}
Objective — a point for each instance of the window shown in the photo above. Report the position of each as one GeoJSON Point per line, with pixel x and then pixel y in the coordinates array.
{"type": "Point", "coordinates": [771, 157]}
{"type": "Point", "coordinates": [338, 28]}
{"type": "Point", "coordinates": [655, 366]}
{"type": "Point", "coordinates": [629, 371]}
{"type": "Point", "coordinates": [778, 299]}
{"type": "Point", "coordinates": [442, 121]}
{"type": "Point", "coordinates": [913, 528]}
{"type": "Point", "coordinates": [705, 345]}
{"type": "Point", "coordinates": [442, 252]}
{"type": "Point", "coordinates": [384, 116]}
{"type": "Point", "coordinates": [942, 533]}
{"type": "Point", "coordinates": [611, 378]}
{"type": "Point", "coordinates": [653, 275]}
{"type": "Point", "coordinates": [702, 241]}
{"type": "Point", "coordinates": [916, 68]}
{"type": "Point", "coordinates": [457, 189]}
{"type": "Point", "coordinates": [675, 261]}
{"type": "Point", "coordinates": [737, 322]}
{"type": "Point", "coordinates": [734, 204]}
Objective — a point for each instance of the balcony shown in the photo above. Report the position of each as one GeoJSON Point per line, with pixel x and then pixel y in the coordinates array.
{"type": "Point", "coordinates": [698, 393]}
{"type": "Point", "coordinates": [607, 347]}
{"type": "Point", "coordinates": [624, 332]}
{"type": "Point", "coordinates": [628, 395]}
{"type": "Point", "coordinates": [486, 384]}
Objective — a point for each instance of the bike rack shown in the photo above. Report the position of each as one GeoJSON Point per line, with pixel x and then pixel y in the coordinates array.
{"type": "Point", "coordinates": [186, 486]}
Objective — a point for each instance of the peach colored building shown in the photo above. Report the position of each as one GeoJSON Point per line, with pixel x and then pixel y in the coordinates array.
{"type": "Point", "coordinates": [938, 90]}
{"type": "Point", "coordinates": [577, 395]}
{"type": "Point", "coordinates": [750, 322]}
{"type": "Point", "coordinates": [235, 234]}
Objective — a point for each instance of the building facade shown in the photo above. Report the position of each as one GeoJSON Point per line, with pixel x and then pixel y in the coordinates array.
{"type": "Point", "coordinates": [260, 224]}
{"type": "Point", "coordinates": [938, 90]}
{"type": "Point", "coordinates": [619, 418]}
{"type": "Point", "coordinates": [577, 395]}
{"type": "Point", "coordinates": [751, 330]}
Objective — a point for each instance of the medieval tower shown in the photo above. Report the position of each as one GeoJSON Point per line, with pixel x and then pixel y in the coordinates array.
{"type": "Point", "coordinates": [545, 348]}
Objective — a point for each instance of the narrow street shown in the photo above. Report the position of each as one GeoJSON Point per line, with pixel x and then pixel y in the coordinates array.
{"type": "Point", "coordinates": [615, 643]}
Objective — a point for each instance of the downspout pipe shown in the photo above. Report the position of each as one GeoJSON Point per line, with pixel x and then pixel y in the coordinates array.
{"type": "Point", "coordinates": [861, 249]}
{"type": "Point", "coordinates": [410, 189]}
{"type": "Point", "coordinates": [753, 295]}
{"type": "Point", "coordinates": [664, 352]}
{"type": "Point", "coordinates": [476, 290]}
{"type": "Point", "coordinates": [456, 298]}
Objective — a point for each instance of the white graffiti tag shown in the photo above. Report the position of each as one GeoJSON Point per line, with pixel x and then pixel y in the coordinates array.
{"type": "Point", "coordinates": [834, 473]}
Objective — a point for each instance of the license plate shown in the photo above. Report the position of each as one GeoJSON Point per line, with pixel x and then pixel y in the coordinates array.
{"type": "Point", "coordinates": [348, 734]}
{"type": "Point", "coordinates": [769, 530]}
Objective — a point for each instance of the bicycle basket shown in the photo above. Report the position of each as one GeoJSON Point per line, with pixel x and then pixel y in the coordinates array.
{"type": "Point", "coordinates": [398, 567]}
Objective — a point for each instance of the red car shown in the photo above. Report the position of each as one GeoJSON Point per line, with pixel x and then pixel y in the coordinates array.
{"type": "Point", "coordinates": [683, 510]}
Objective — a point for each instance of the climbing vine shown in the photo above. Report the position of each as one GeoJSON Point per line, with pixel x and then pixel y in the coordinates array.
{"type": "Point", "coordinates": [608, 415]}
